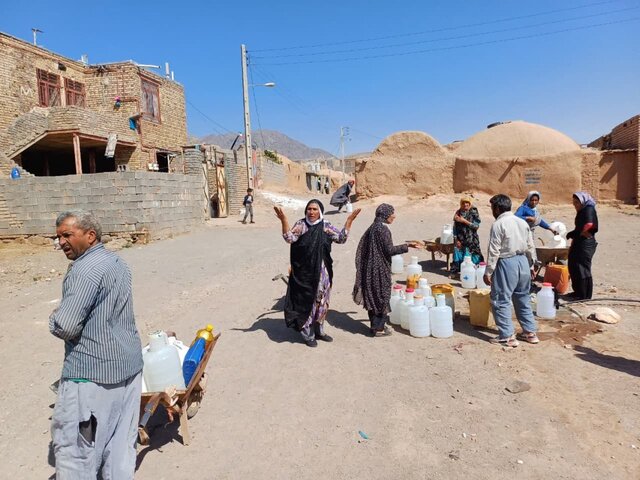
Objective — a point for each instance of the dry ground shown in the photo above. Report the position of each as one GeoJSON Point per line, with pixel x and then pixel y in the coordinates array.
{"type": "Point", "coordinates": [275, 409]}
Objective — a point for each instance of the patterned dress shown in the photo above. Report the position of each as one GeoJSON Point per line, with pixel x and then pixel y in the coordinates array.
{"type": "Point", "coordinates": [323, 293]}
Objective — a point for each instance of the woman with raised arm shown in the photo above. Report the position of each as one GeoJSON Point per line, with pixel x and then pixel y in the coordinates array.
{"type": "Point", "coordinates": [311, 276]}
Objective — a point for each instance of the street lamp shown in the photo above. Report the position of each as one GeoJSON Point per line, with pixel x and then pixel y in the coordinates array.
{"type": "Point", "coordinates": [247, 117]}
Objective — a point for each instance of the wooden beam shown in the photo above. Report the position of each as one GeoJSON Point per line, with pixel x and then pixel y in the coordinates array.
{"type": "Point", "coordinates": [76, 153]}
{"type": "Point", "coordinates": [92, 161]}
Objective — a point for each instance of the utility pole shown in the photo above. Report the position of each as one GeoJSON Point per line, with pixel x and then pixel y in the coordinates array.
{"type": "Point", "coordinates": [344, 131]}
{"type": "Point", "coordinates": [247, 119]}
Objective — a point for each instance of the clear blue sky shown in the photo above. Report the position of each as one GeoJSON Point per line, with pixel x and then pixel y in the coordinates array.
{"type": "Point", "coordinates": [582, 81]}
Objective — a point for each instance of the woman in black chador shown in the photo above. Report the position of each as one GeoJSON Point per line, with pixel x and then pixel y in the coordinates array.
{"type": "Point", "coordinates": [583, 245]}
{"type": "Point", "coordinates": [311, 276]}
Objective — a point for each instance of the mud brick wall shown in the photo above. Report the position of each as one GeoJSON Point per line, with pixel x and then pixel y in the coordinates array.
{"type": "Point", "coordinates": [618, 175]}
{"type": "Point", "coordinates": [555, 176]}
{"type": "Point", "coordinates": [122, 201]}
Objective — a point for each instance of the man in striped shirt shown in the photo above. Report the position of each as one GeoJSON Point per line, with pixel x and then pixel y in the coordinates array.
{"type": "Point", "coordinates": [94, 423]}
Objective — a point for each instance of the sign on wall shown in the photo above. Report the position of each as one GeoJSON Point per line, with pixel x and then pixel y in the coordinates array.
{"type": "Point", "coordinates": [532, 176]}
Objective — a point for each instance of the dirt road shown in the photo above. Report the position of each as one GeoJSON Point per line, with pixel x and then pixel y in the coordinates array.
{"type": "Point", "coordinates": [275, 409]}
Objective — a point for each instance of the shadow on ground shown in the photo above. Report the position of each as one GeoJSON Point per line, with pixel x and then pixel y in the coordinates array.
{"type": "Point", "coordinates": [343, 321]}
{"type": "Point", "coordinates": [160, 432]}
{"type": "Point", "coordinates": [621, 364]}
{"type": "Point", "coordinates": [462, 325]}
{"type": "Point", "coordinates": [436, 266]}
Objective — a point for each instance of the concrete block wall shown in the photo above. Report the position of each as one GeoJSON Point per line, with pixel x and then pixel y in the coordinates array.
{"type": "Point", "coordinates": [236, 176]}
{"type": "Point", "coordinates": [272, 173]}
{"type": "Point", "coordinates": [193, 159]}
{"type": "Point", "coordinates": [122, 201]}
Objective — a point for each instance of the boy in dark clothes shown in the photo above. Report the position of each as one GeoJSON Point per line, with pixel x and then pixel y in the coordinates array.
{"type": "Point", "coordinates": [248, 205]}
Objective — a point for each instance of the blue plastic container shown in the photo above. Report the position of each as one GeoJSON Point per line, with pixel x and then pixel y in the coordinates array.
{"type": "Point", "coordinates": [15, 173]}
{"type": "Point", "coordinates": [193, 359]}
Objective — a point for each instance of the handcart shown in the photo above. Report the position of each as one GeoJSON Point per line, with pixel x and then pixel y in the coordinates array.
{"type": "Point", "coordinates": [184, 403]}
{"type": "Point", "coordinates": [548, 255]}
{"type": "Point", "coordinates": [434, 246]}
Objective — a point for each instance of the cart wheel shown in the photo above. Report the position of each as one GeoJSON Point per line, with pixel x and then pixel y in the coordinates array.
{"type": "Point", "coordinates": [196, 397]}
{"type": "Point", "coordinates": [194, 405]}
{"type": "Point", "coordinates": [143, 437]}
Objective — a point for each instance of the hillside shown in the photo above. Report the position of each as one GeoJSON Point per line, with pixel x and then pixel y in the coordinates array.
{"type": "Point", "coordinates": [272, 140]}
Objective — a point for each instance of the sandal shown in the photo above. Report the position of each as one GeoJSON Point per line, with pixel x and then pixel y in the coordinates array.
{"type": "Point", "coordinates": [529, 337]}
{"type": "Point", "coordinates": [383, 333]}
{"type": "Point", "coordinates": [505, 342]}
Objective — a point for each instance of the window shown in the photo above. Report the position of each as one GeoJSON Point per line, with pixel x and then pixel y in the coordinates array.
{"type": "Point", "coordinates": [150, 104]}
{"type": "Point", "coordinates": [48, 89]}
{"type": "Point", "coordinates": [74, 92]}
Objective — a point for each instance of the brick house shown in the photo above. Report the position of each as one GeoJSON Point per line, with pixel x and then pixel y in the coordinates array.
{"type": "Point", "coordinates": [60, 116]}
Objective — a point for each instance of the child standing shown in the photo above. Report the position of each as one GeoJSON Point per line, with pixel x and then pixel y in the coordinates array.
{"type": "Point", "coordinates": [248, 205]}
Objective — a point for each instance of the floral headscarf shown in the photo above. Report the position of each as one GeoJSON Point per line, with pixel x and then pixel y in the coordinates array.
{"type": "Point", "coordinates": [384, 211]}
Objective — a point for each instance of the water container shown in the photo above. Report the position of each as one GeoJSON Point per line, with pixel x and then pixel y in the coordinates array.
{"type": "Point", "coordinates": [559, 227]}
{"type": "Point", "coordinates": [423, 286]}
{"type": "Point", "coordinates": [480, 271]}
{"type": "Point", "coordinates": [558, 277]}
{"type": "Point", "coordinates": [404, 308]}
{"type": "Point", "coordinates": [193, 358]}
{"type": "Point", "coordinates": [441, 318]}
{"type": "Point", "coordinates": [468, 273]}
{"type": "Point", "coordinates": [206, 333]}
{"type": "Point", "coordinates": [446, 237]}
{"type": "Point", "coordinates": [447, 291]}
{"type": "Point", "coordinates": [419, 318]}
{"type": "Point", "coordinates": [162, 367]}
{"type": "Point", "coordinates": [480, 314]}
{"type": "Point", "coordinates": [429, 302]}
{"type": "Point", "coordinates": [397, 264]}
{"type": "Point", "coordinates": [396, 296]}
{"type": "Point", "coordinates": [414, 271]}
{"type": "Point", "coordinates": [349, 207]}
{"type": "Point", "coordinates": [15, 173]}
{"type": "Point", "coordinates": [545, 302]}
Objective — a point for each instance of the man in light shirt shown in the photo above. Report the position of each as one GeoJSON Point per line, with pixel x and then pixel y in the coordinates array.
{"type": "Point", "coordinates": [509, 272]}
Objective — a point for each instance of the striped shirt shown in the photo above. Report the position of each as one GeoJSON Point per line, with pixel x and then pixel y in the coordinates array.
{"type": "Point", "coordinates": [95, 319]}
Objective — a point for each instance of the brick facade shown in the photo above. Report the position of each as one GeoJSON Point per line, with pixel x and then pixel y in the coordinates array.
{"type": "Point", "coordinates": [24, 122]}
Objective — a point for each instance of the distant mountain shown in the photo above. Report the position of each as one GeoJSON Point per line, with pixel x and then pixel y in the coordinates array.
{"type": "Point", "coordinates": [274, 141]}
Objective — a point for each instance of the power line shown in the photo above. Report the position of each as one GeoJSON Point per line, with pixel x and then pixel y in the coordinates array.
{"type": "Point", "coordinates": [456, 47]}
{"type": "Point", "coordinates": [224, 129]}
{"type": "Point", "coordinates": [365, 133]}
{"type": "Point", "coordinates": [443, 39]}
{"type": "Point", "coordinates": [458, 27]}
{"type": "Point", "coordinates": [266, 75]}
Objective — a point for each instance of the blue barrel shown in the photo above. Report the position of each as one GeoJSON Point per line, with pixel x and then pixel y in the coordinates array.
{"type": "Point", "coordinates": [15, 173]}
{"type": "Point", "coordinates": [193, 359]}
